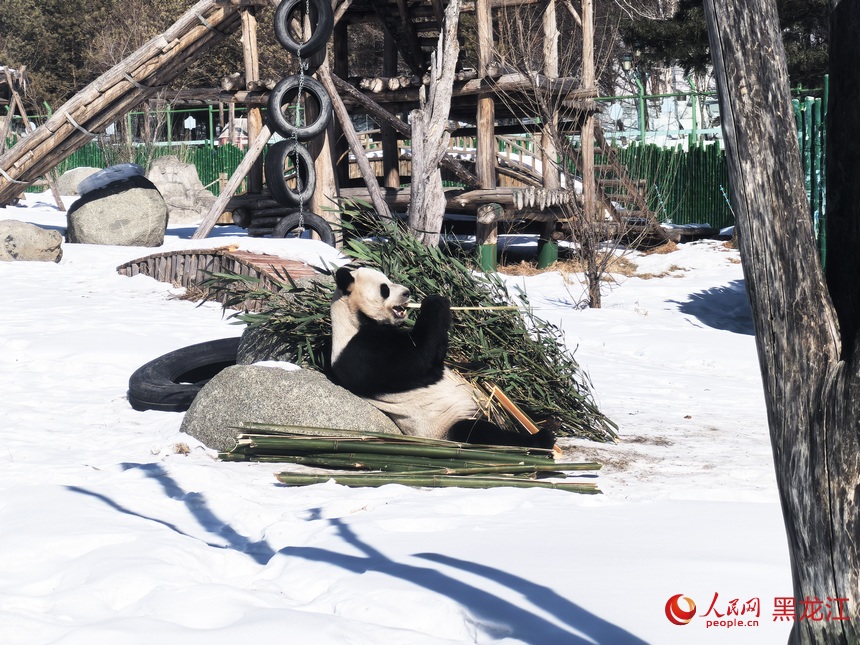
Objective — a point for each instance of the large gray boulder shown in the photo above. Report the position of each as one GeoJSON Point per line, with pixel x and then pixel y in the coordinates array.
{"type": "Point", "coordinates": [23, 241]}
{"type": "Point", "coordinates": [273, 395]}
{"type": "Point", "coordinates": [128, 212]}
{"type": "Point", "coordinates": [68, 182]}
{"type": "Point", "coordinates": [178, 182]}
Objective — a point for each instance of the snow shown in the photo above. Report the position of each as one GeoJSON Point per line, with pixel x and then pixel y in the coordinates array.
{"type": "Point", "coordinates": [117, 528]}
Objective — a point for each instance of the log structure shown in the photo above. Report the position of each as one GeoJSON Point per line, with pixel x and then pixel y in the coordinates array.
{"type": "Point", "coordinates": [124, 87]}
{"type": "Point", "coordinates": [486, 102]}
{"type": "Point", "coordinates": [190, 268]}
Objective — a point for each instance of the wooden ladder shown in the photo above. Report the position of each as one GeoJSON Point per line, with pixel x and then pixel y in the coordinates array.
{"type": "Point", "coordinates": [623, 197]}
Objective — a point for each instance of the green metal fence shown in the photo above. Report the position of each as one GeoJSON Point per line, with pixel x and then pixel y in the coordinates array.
{"type": "Point", "coordinates": [683, 186]}
{"type": "Point", "coordinates": [210, 161]}
{"type": "Point", "coordinates": [810, 114]}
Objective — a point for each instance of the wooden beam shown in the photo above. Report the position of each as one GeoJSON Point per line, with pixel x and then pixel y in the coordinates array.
{"type": "Point", "coordinates": [485, 155]}
{"type": "Point", "coordinates": [390, 146]}
{"type": "Point", "coordinates": [254, 152]}
{"type": "Point", "coordinates": [355, 146]}
{"type": "Point", "coordinates": [589, 187]}
{"type": "Point", "coordinates": [139, 76]}
{"type": "Point", "coordinates": [377, 111]}
{"type": "Point", "coordinates": [252, 75]}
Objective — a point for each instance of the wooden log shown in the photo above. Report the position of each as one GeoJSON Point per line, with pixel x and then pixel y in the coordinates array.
{"type": "Point", "coordinates": [254, 151]}
{"type": "Point", "coordinates": [355, 146]}
{"type": "Point", "coordinates": [383, 115]}
{"type": "Point", "coordinates": [140, 75]}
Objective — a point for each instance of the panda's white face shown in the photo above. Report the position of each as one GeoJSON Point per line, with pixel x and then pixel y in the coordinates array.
{"type": "Point", "coordinates": [372, 294]}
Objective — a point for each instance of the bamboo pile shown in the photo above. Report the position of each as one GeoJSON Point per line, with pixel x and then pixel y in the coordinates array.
{"type": "Point", "coordinates": [377, 459]}
{"type": "Point", "coordinates": [139, 76]}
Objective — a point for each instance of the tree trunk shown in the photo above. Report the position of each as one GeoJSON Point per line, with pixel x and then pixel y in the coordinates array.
{"type": "Point", "coordinates": [810, 370]}
{"type": "Point", "coordinates": [430, 135]}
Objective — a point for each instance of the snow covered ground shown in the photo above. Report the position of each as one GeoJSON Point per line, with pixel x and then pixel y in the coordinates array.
{"type": "Point", "coordinates": [112, 532]}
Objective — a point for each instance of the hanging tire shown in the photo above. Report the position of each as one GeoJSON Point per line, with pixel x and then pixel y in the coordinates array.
{"type": "Point", "coordinates": [297, 223]}
{"type": "Point", "coordinates": [170, 382]}
{"type": "Point", "coordinates": [304, 177]}
{"type": "Point", "coordinates": [321, 21]}
{"type": "Point", "coordinates": [285, 94]}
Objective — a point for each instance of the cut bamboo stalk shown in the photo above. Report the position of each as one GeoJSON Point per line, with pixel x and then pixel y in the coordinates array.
{"type": "Point", "coordinates": [431, 481]}
{"type": "Point", "coordinates": [513, 408]}
{"type": "Point", "coordinates": [417, 305]}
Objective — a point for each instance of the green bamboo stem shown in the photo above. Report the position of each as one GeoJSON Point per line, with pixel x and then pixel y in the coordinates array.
{"type": "Point", "coordinates": [268, 444]}
{"type": "Point", "coordinates": [430, 481]}
{"type": "Point", "coordinates": [366, 461]}
{"type": "Point", "coordinates": [291, 430]}
{"type": "Point", "coordinates": [393, 463]}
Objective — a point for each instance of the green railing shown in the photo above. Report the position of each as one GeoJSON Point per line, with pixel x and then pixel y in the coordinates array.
{"type": "Point", "coordinates": [810, 114]}
{"type": "Point", "coordinates": [683, 186]}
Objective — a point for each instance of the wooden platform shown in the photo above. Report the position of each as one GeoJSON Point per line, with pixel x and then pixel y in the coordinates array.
{"type": "Point", "coordinates": [191, 267]}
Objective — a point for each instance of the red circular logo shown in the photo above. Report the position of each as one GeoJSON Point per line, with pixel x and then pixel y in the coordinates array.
{"type": "Point", "coordinates": [677, 615]}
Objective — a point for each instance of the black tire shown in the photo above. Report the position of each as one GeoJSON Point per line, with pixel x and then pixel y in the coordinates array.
{"type": "Point", "coordinates": [321, 20]}
{"type": "Point", "coordinates": [284, 94]}
{"type": "Point", "coordinates": [170, 382]}
{"type": "Point", "coordinates": [298, 222]}
{"type": "Point", "coordinates": [305, 174]}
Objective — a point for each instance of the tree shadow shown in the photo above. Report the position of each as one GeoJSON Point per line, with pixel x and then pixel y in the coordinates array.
{"type": "Point", "coordinates": [500, 618]}
{"type": "Point", "coordinates": [569, 623]}
{"type": "Point", "coordinates": [726, 308]}
{"type": "Point", "coordinates": [228, 538]}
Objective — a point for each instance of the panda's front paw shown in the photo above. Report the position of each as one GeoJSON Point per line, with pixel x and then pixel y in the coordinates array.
{"type": "Point", "coordinates": [437, 309]}
{"type": "Point", "coordinates": [545, 438]}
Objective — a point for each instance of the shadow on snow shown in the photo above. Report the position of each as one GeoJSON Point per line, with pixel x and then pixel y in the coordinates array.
{"type": "Point", "coordinates": [502, 618]}
{"type": "Point", "coordinates": [726, 308]}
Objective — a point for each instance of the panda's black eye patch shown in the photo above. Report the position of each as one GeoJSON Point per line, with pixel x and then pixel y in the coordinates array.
{"type": "Point", "coordinates": [384, 291]}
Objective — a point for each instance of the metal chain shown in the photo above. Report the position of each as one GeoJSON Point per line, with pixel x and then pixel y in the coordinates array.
{"type": "Point", "coordinates": [306, 22]}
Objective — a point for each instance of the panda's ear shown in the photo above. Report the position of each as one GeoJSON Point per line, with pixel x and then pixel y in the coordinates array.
{"type": "Point", "coordinates": [343, 279]}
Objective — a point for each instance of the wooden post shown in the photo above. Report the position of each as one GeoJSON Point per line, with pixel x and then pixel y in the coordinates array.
{"type": "Point", "coordinates": [589, 188]}
{"type": "Point", "coordinates": [340, 68]}
{"type": "Point", "coordinates": [547, 246]}
{"type": "Point", "coordinates": [252, 75]}
{"type": "Point", "coordinates": [254, 151]}
{"type": "Point", "coordinates": [487, 229]}
{"type": "Point", "coordinates": [390, 147]}
{"type": "Point", "coordinates": [342, 115]}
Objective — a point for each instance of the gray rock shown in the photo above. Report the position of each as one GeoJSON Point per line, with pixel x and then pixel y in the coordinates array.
{"type": "Point", "coordinates": [68, 182]}
{"type": "Point", "coordinates": [273, 395]}
{"type": "Point", "coordinates": [130, 212]}
{"type": "Point", "coordinates": [23, 241]}
{"type": "Point", "coordinates": [187, 200]}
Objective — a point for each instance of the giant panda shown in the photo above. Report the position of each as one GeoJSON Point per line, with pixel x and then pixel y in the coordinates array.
{"type": "Point", "coordinates": [402, 371]}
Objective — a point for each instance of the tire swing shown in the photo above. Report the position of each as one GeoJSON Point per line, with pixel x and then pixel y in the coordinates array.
{"type": "Point", "coordinates": [293, 186]}
{"type": "Point", "coordinates": [298, 222]}
{"type": "Point", "coordinates": [286, 95]}
{"type": "Point", "coordinates": [170, 382]}
{"type": "Point", "coordinates": [321, 22]}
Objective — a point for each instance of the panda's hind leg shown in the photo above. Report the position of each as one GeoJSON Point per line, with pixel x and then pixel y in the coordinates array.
{"type": "Point", "coordinates": [485, 432]}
